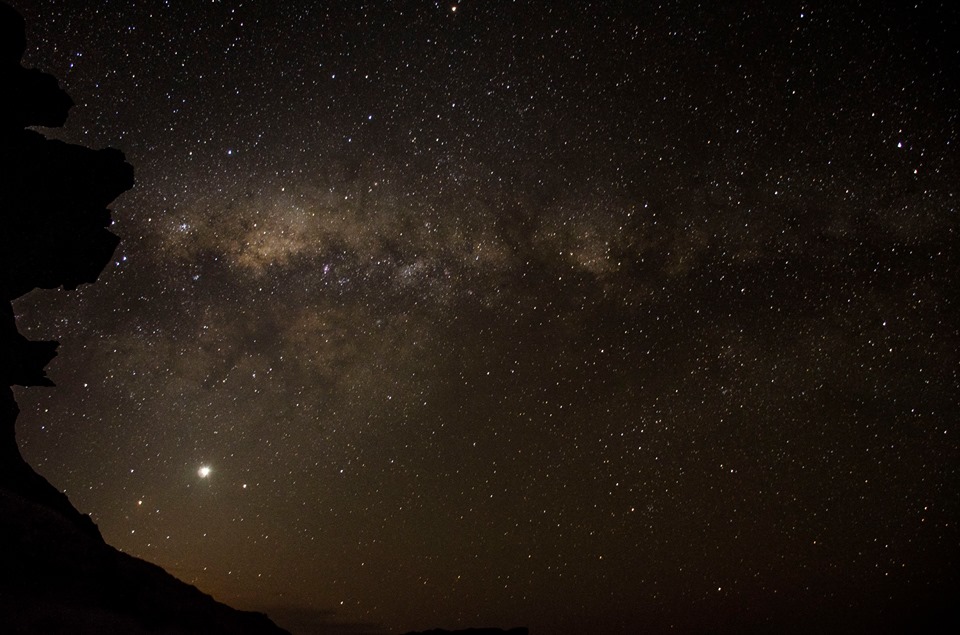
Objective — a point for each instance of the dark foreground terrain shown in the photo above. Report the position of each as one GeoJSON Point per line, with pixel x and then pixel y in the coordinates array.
{"type": "Point", "coordinates": [57, 575]}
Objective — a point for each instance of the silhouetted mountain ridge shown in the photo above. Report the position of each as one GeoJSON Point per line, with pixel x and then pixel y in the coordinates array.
{"type": "Point", "coordinates": [56, 577]}
{"type": "Point", "coordinates": [520, 630]}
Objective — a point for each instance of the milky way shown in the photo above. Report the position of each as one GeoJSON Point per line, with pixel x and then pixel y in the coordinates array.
{"type": "Point", "coordinates": [583, 316]}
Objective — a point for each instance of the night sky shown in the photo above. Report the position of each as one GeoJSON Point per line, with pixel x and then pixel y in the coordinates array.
{"type": "Point", "coordinates": [586, 316]}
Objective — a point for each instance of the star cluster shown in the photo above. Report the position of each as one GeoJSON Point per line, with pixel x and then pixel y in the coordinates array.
{"type": "Point", "coordinates": [588, 316]}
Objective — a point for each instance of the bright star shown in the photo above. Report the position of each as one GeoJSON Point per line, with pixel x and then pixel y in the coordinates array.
{"type": "Point", "coordinates": [204, 471]}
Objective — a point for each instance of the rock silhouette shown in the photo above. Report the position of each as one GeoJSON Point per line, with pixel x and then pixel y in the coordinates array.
{"type": "Point", "coordinates": [53, 232]}
{"type": "Point", "coordinates": [53, 198]}
{"type": "Point", "coordinates": [57, 575]}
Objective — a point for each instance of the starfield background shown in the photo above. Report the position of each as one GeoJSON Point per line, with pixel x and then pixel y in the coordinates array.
{"type": "Point", "coordinates": [599, 317]}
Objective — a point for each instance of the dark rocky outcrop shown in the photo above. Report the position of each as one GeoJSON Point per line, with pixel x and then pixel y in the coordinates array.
{"type": "Point", "coordinates": [57, 575]}
{"type": "Point", "coordinates": [31, 97]}
{"type": "Point", "coordinates": [54, 195]}
{"type": "Point", "coordinates": [53, 233]}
